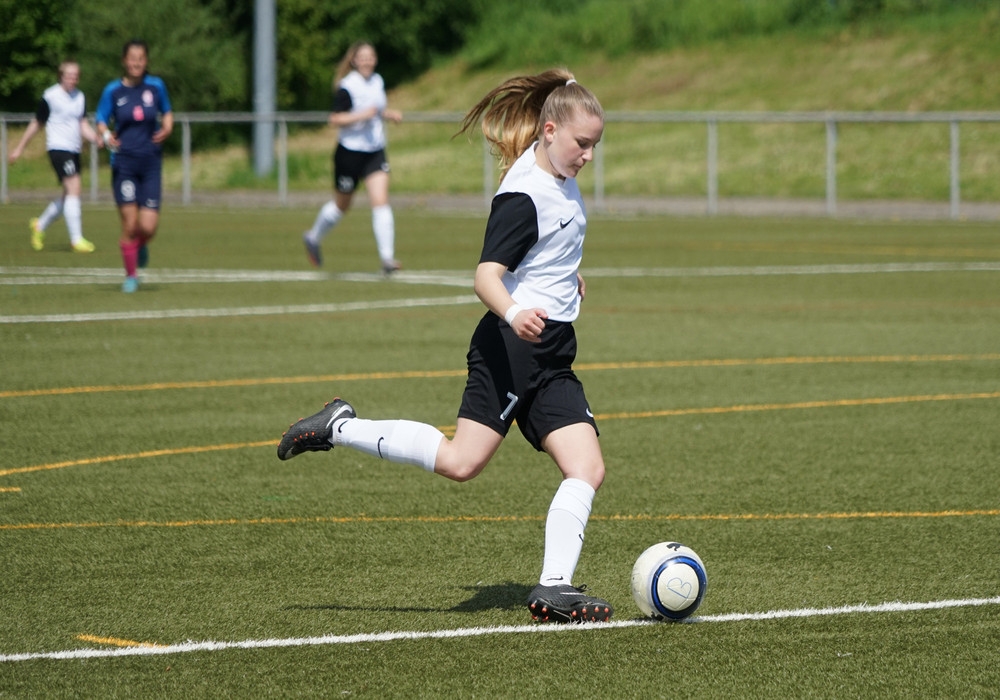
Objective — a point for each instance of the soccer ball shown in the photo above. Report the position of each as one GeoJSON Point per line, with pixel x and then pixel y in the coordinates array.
{"type": "Point", "coordinates": [668, 581]}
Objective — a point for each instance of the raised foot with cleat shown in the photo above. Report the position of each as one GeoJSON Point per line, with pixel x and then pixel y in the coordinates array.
{"type": "Point", "coordinates": [565, 603]}
{"type": "Point", "coordinates": [313, 434]}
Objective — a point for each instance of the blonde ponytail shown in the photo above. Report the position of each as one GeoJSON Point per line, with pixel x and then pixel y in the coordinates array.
{"type": "Point", "coordinates": [514, 113]}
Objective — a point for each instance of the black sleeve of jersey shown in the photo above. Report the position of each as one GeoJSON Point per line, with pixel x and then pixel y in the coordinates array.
{"type": "Point", "coordinates": [511, 230]}
{"type": "Point", "coordinates": [342, 101]}
{"type": "Point", "coordinates": [42, 112]}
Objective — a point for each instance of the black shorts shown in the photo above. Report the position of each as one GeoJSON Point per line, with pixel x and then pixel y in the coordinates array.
{"type": "Point", "coordinates": [65, 163]}
{"type": "Point", "coordinates": [533, 383]}
{"type": "Point", "coordinates": [352, 167]}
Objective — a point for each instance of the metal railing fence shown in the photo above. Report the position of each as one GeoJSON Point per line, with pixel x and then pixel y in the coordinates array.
{"type": "Point", "coordinates": [711, 120]}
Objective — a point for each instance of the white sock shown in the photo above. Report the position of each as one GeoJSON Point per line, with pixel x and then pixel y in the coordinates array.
{"type": "Point", "coordinates": [328, 216]}
{"type": "Point", "coordinates": [51, 213]}
{"type": "Point", "coordinates": [400, 441]}
{"type": "Point", "coordinates": [564, 526]}
{"type": "Point", "coordinates": [74, 218]}
{"type": "Point", "coordinates": [384, 227]}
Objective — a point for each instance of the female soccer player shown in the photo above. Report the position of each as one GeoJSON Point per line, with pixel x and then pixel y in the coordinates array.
{"type": "Point", "coordinates": [61, 111]}
{"type": "Point", "coordinates": [139, 108]}
{"type": "Point", "coordinates": [544, 129]}
{"type": "Point", "coordinates": [359, 106]}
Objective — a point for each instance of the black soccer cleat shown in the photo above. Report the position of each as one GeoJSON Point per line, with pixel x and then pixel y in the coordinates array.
{"type": "Point", "coordinates": [565, 603]}
{"type": "Point", "coordinates": [313, 434]}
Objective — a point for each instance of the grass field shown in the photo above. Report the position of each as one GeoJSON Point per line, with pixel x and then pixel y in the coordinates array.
{"type": "Point", "coordinates": [811, 405]}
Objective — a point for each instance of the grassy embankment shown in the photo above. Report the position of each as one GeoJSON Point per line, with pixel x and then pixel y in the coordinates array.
{"type": "Point", "coordinates": [940, 63]}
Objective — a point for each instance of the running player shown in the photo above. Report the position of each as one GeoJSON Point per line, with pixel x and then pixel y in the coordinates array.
{"type": "Point", "coordinates": [61, 111]}
{"type": "Point", "coordinates": [544, 129]}
{"type": "Point", "coordinates": [138, 107]}
{"type": "Point", "coordinates": [359, 107]}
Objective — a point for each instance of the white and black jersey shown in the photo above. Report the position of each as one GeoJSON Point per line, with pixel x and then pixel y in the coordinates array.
{"type": "Point", "coordinates": [60, 112]}
{"type": "Point", "coordinates": [355, 94]}
{"type": "Point", "coordinates": [536, 228]}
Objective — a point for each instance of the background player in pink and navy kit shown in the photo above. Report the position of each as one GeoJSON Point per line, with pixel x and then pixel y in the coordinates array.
{"type": "Point", "coordinates": [61, 111]}
{"type": "Point", "coordinates": [134, 118]}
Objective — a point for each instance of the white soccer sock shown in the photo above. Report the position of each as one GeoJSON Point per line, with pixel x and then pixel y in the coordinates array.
{"type": "Point", "coordinates": [400, 441]}
{"type": "Point", "coordinates": [51, 213]}
{"type": "Point", "coordinates": [328, 216]}
{"type": "Point", "coordinates": [564, 526]}
{"type": "Point", "coordinates": [384, 227]}
{"type": "Point", "coordinates": [74, 218]}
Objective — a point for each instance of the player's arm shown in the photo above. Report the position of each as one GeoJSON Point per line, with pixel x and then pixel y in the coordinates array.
{"type": "Point", "coordinates": [341, 114]}
{"type": "Point", "coordinates": [33, 128]}
{"type": "Point", "coordinates": [511, 231]}
{"type": "Point", "coordinates": [89, 133]}
{"type": "Point", "coordinates": [166, 128]}
{"type": "Point", "coordinates": [166, 112]}
{"type": "Point", "coordinates": [102, 117]}
{"type": "Point", "coordinates": [489, 287]}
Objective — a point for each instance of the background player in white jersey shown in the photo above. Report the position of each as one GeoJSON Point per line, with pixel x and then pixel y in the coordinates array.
{"type": "Point", "coordinates": [544, 129]}
{"type": "Point", "coordinates": [359, 108]}
{"type": "Point", "coordinates": [138, 108]}
{"type": "Point", "coordinates": [62, 112]}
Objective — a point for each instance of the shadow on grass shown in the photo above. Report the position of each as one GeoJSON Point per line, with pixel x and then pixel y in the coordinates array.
{"type": "Point", "coordinates": [501, 596]}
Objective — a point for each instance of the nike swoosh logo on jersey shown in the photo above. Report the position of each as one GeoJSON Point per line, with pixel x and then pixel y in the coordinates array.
{"type": "Point", "coordinates": [564, 224]}
{"type": "Point", "coordinates": [121, 101]}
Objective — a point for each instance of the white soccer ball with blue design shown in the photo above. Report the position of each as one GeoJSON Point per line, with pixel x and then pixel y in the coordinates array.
{"type": "Point", "coordinates": [668, 581]}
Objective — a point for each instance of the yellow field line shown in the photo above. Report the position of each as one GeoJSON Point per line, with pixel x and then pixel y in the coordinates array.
{"type": "Point", "coordinates": [114, 641]}
{"type": "Point", "coordinates": [664, 413]}
{"type": "Point", "coordinates": [450, 519]}
{"type": "Point", "coordinates": [435, 374]}
{"type": "Point", "coordinates": [9, 489]}
{"type": "Point", "coordinates": [135, 455]}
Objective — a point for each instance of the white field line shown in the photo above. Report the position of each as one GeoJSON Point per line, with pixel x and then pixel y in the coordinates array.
{"type": "Point", "coordinates": [376, 637]}
{"type": "Point", "coordinates": [243, 311]}
{"type": "Point", "coordinates": [23, 275]}
{"type": "Point", "coordinates": [771, 270]}
{"type": "Point", "coordinates": [58, 275]}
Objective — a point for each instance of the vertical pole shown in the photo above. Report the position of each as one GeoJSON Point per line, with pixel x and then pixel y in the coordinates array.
{"type": "Point", "coordinates": [3, 161]}
{"type": "Point", "coordinates": [954, 172]}
{"type": "Point", "coordinates": [283, 162]}
{"type": "Point", "coordinates": [94, 172]}
{"type": "Point", "coordinates": [264, 89]}
{"type": "Point", "coordinates": [599, 177]}
{"type": "Point", "coordinates": [713, 167]}
{"type": "Point", "coordinates": [487, 174]}
{"type": "Point", "coordinates": [186, 162]}
{"type": "Point", "coordinates": [831, 167]}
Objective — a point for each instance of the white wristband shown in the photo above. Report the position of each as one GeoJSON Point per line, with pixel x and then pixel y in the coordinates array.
{"type": "Point", "coordinates": [512, 312]}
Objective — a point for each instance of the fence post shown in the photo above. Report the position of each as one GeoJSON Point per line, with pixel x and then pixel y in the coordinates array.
{"type": "Point", "coordinates": [831, 167]}
{"type": "Point", "coordinates": [955, 192]}
{"type": "Point", "coordinates": [3, 161]}
{"type": "Point", "coordinates": [487, 173]}
{"type": "Point", "coordinates": [94, 172]}
{"type": "Point", "coordinates": [186, 162]}
{"type": "Point", "coordinates": [713, 166]}
{"type": "Point", "coordinates": [599, 177]}
{"type": "Point", "coordinates": [283, 162]}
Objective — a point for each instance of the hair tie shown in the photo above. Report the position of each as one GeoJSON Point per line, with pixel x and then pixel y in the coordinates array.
{"type": "Point", "coordinates": [571, 81]}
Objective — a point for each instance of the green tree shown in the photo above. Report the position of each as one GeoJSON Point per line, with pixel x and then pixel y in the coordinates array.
{"type": "Point", "coordinates": [33, 42]}
{"type": "Point", "coordinates": [312, 37]}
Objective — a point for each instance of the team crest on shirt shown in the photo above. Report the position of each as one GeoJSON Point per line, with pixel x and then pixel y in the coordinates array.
{"type": "Point", "coordinates": [147, 98]}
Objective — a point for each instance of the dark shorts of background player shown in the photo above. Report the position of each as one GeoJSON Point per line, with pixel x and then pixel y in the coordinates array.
{"type": "Point", "coordinates": [137, 180]}
{"type": "Point", "coordinates": [533, 383]}
{"type": "Point", "coordinates": [65, 163]}
{"type": "Point", "coordinates": [351, 167]}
